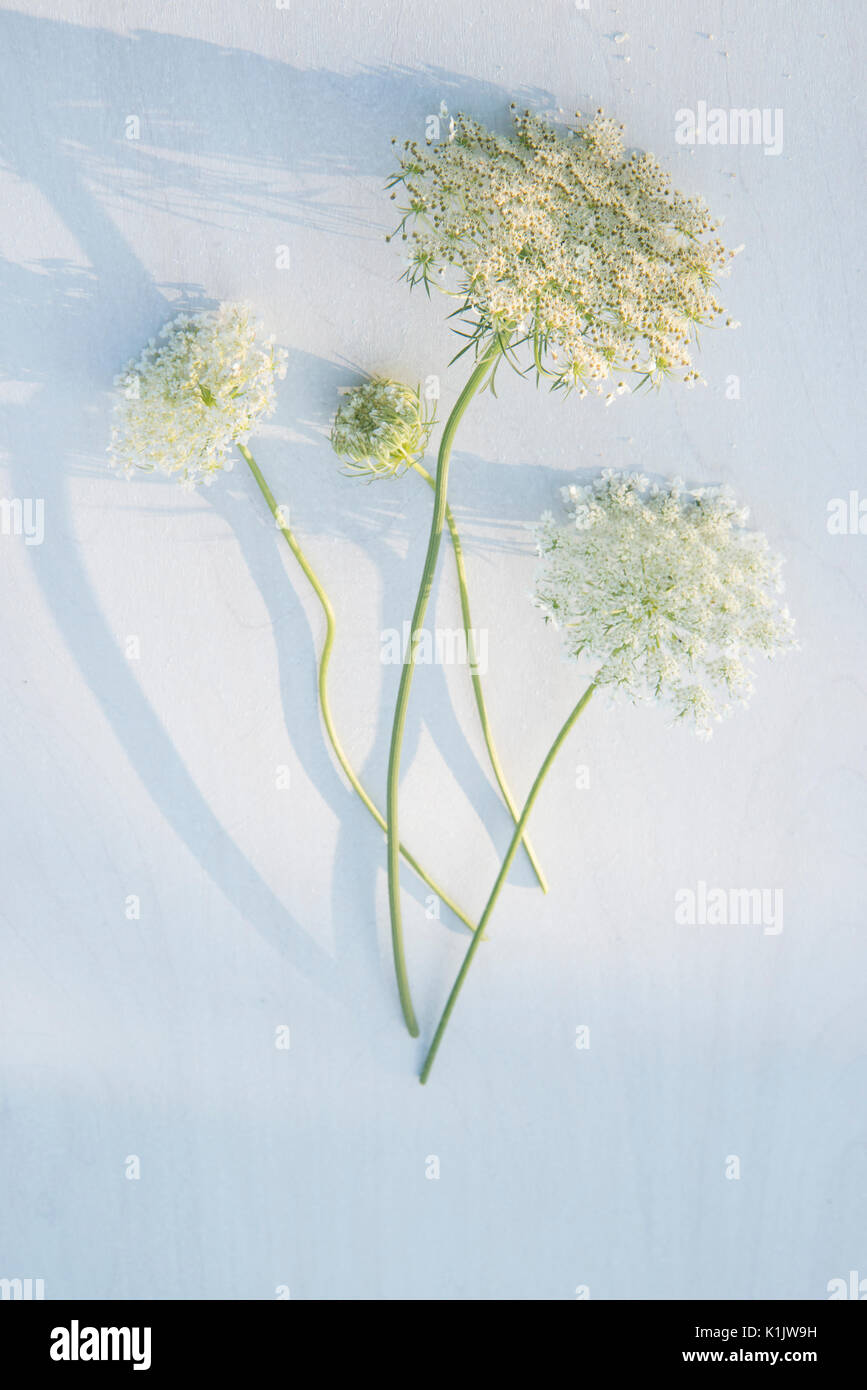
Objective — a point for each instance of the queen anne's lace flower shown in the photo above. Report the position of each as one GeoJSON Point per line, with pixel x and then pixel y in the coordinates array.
{"type": "Point", "coordinates": [664, 590]}
{"type": "Point", "coordinates": [381, 428]}
{"type": "Point", "coordinates": [194, 394]}
{"type": "Point", "coordinates": [563, 240]}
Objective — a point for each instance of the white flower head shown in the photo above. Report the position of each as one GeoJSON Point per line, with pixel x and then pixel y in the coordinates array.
{"type": "Point", "coordinates": [194, 394]}
{"type": "Point", "coordinates": [381, 428]}
{"type": "Point", "coordinates": [664, 590]}
{"type": "Point", "coordinates": [591, 251]}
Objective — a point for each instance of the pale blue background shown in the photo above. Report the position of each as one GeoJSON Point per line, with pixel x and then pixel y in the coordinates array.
{"type": "Point", "coordinates": [263, 127]}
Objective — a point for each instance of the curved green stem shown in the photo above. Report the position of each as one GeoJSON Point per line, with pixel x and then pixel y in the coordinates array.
{"type": "Point", "coordinates": [476, 380]}
{"type": "Point", "coordinates": [324, 702]}
{"type": "Point", "coordinates": [501, 878]}
{"type": "Point", "coordinates": [476, 679]}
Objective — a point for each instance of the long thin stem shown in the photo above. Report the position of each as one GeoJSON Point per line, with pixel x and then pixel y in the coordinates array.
{"type": "Point", "coordinates": [501, 878]}
{"type": "Point", "coordinates": [493, 757]}
{"type": "Point", "coordinates": [324, 702]}
{"type": "Point", "coordinates": [476, 380]}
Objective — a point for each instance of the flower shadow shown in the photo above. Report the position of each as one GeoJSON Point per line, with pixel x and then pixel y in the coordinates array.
{"type": "Point", "coordinates": [68, 89]}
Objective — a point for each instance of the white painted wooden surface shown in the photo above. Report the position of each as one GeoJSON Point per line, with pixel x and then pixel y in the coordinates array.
{"type": "Point", "coordinates": [156, 777]}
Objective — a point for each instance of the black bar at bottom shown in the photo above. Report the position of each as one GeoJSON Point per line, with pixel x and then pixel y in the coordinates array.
{"type": "Point", "coordinates": [219, 1339]}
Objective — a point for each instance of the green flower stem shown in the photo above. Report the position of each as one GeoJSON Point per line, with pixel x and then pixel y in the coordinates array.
{"type": "Point", "coordinates": [475, 382]}
{"type": "Point", "coordinates": [501, 878]}
{"type": "Point", "coordinates": [476, 679]}
{"type": "Point", "coordinates": [324, 703]}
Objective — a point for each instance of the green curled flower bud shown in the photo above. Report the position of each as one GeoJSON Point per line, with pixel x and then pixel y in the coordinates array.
{"type": "Point", "coordinates": [381, 428]}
